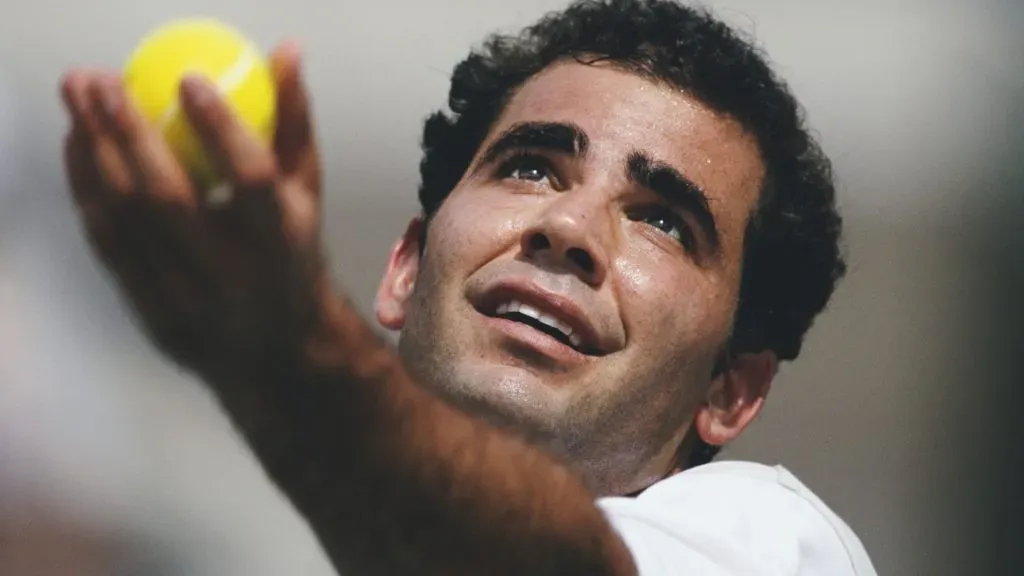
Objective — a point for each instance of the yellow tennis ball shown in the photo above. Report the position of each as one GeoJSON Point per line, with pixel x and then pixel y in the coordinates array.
{"type": "Point", "coordinates": [153, 74]}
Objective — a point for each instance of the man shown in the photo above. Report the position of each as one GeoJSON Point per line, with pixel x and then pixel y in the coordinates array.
{"type": "Point", "coordinates": [625, 228]}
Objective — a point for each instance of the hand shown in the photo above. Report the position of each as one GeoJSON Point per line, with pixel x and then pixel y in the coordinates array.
{"type": "Point", "coordinates": [227, 291]}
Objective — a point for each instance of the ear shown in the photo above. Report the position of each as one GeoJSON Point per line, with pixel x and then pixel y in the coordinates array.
{"type": "Point", "coordinates": [396, 287]}
{"type": "Point", "coordinates": [735, 397]}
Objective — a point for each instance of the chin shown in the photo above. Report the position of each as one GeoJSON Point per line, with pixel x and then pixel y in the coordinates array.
{"type": "Point", "coordinates": [509, 397]}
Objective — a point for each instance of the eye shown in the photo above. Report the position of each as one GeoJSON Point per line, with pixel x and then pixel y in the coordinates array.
{"type": "Point", "coordinates": [665, 221]}
{"type": "Point", "coordinates": [527, 167]}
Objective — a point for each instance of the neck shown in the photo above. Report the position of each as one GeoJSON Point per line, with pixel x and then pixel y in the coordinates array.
{"type": "Point", "coordinates": [608, 468]}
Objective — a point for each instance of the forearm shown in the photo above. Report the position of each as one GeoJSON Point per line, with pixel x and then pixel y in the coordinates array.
{"type": "Point", "coordinates": [394, 481]}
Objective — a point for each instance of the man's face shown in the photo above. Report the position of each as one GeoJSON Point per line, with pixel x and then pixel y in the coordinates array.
{"type": "Point", "coordinates": [580, 282]}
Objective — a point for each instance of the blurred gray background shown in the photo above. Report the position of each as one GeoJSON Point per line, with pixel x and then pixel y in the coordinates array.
{"type": "Point", "coordinates": [900, 414]}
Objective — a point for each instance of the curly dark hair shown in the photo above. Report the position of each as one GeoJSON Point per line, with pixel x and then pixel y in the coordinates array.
{"type": "Point", "coordinates": [792, 259]}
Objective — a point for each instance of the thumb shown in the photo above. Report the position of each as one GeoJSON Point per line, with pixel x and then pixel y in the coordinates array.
{"type": "Point", "coordinates": [294, 142]}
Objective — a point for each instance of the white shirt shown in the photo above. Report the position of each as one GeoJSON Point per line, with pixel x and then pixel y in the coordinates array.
{"type": "Point", "coordinates": [735, 518]}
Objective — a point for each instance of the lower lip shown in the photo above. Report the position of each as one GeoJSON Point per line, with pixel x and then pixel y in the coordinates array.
{"type": "Point", "coordinates": [536, 340]}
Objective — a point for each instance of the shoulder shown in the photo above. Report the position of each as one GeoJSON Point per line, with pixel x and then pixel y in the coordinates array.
{"type": "Point", "coordinates": [736, 518]}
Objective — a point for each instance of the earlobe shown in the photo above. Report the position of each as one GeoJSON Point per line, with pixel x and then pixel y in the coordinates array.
{"type": "Point", "coordinates": [399, 281]}
{"type": "Point", "coordinates": [736, 397]}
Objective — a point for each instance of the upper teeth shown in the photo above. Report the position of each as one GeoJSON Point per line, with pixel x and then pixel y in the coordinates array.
{"type": "Point", "coordinates": [527, 310]}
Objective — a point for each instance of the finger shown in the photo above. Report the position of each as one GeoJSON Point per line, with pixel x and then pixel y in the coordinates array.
{"type": "Point", "coordinates": [252, 221]}
{"type": "Point", "coordinates": [294, 142]}
{"type": "Point", "coordinates": [157, 173]}
{"type": "Point", "coordinates": [148, 158]}
{"type": "Point", "coordinates": [74, 91]}
{"type": "Point", "coordinates": [81, 170]}
{"type": "Point", "coordinates": [247, 162]}
{"type": "Point", "coordinates": [83, 174]}
{"type": "Point", "coordinates": [73, 94]}
{"type": "Point", "coordinates": [160, 217]}
{"type": "Point", "coordinates": [110, 160]}
{"type": "Point", "coordinates": [86, 182]}
{"type": "Point", "coordinates": [129, 235]}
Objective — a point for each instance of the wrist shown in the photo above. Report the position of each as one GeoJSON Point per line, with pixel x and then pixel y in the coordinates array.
{"type": "Point", "coordinates": [326, 351]}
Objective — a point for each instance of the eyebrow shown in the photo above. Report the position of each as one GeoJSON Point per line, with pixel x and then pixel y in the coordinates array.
{"type": "Point", "coordinates": [676, 189]}
{"type": "Point", "coordinates": [560, 137]}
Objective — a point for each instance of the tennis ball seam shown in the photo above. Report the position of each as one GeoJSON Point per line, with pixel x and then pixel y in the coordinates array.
{"type": "Point", "coordinates": [228, 81]}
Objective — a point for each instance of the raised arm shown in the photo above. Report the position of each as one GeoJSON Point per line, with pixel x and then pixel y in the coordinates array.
{"type": "Point", "coordinates": [392, 480]}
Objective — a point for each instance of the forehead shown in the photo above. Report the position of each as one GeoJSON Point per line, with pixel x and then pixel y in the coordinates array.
{"type": "Point", "coordinates": [622, 112]}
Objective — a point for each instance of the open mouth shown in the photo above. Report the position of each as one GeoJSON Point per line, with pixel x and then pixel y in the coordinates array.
{"type": "Point", "coordinates": [547, 323]}
{"type": "Point", "coordinates": [519, 312]}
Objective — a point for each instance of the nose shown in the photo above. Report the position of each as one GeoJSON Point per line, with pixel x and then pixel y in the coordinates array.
{"type": "Point", "coordinates": [569, 236]}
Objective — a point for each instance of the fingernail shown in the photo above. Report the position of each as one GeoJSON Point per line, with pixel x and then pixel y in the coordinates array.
{"type": "Point", "coordinates": [110, 97]}
{"type": "Point", "coordinates": [293, 47]}
{"type": "Point", "coordinates": [196, 89]}
{"type": "Point", "coordinates": [287, 57]}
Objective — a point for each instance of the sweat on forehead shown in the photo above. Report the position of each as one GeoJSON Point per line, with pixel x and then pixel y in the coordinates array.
{"type": "Point", "coordinates": [795, 260]}
{"type": "Point", "coordinates": [680, 147]}
{"type": "Point", "coordinates": [569, 139]}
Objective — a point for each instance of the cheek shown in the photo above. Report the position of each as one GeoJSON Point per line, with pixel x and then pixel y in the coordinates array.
{"type": "Point", "coordinates": [649, 306]}
{"type": "Point", "coordinates": [660, 298]}
{"type": "Point", "coordinates": [465, 235]}
{"type": "Point", "coordinates": [473, 227]}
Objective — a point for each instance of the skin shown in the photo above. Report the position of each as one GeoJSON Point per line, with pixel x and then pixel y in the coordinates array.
{"type": "Point", "coordinates": [45, 542]}
{"type": "Point", "coordinates": [666, 309]}
{"type": "Point", "coordinates": [393, 478]}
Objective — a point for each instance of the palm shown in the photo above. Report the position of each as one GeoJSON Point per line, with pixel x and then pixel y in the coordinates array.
{"type": "Point", "coordinates": [221, 288]}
